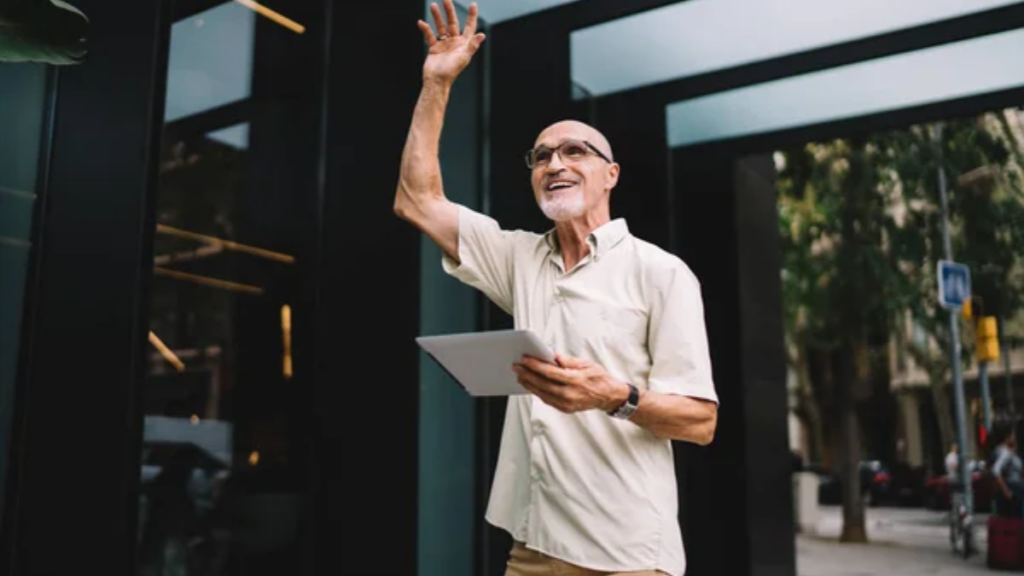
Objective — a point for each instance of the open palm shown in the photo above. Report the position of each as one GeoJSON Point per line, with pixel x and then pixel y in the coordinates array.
{"type": "Point", "coordinates": [450, 50]}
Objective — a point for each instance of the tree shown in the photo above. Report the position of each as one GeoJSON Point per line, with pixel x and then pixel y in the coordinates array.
{"type": "Point", "coordinates": [861, 235]}
{"type": "Point", "coordinates": [986, 219]}
{"type": "Point", "coordinates": [837, 284]}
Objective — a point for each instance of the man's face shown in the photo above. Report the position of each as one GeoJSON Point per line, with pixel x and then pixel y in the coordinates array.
{"type": "Point", "coordinates": [570, 183]}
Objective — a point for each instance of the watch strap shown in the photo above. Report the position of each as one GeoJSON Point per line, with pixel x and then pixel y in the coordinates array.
{"type": "Point", "coordinates": [627, 408]}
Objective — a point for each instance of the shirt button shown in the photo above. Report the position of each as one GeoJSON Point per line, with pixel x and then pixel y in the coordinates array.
{"type": "Point", "coordinates": [538, 429]}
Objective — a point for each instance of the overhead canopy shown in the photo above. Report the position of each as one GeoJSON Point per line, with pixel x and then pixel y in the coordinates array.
{"type": "Point", "coordinates": [956, 70]}
{"type": "Point", "coordinates": [494, 11]}
{"type": "Point", "coordinates": [699, 36]}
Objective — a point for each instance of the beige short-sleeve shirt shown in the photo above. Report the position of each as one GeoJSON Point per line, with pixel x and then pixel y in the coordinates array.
{"type": "Point", "coordinates": [587, 488]}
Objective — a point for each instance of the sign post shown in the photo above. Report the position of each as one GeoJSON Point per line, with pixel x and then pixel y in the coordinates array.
{"type": "Point", "coordinates": [954, 289]}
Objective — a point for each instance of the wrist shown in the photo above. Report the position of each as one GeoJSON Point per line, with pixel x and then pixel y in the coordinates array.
{"type": "Point", "coordinates": [616, 397]}
{"type": "Point", "coordinates": [624, 401]}
{"type": "Point", "coordinates": [435, 86]}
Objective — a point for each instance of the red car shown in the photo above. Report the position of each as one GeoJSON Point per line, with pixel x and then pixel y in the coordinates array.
{"type": "Point", "coordinates": [983, 485]}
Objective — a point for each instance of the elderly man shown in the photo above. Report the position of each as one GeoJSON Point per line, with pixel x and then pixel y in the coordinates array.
{"type": "Point", "coordinates": [585, 481]}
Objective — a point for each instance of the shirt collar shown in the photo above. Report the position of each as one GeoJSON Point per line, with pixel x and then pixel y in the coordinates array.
{"type": "Point", "coordinates": [601, 240]}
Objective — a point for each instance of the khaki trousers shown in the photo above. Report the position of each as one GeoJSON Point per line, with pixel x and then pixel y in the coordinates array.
{"type": "Point", "coordinates": [525, 562]}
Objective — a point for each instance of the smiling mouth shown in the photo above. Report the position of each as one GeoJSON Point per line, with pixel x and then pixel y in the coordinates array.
{"type": "Point", "coordinates": [558, 186]}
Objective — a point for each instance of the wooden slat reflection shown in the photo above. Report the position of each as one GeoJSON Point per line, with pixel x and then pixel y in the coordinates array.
{"type": "Point", "coordinates": [207, 281]}
{"type": "Point", "coordinates": [268, 13]}
{"type": "Point", "coordinates": [203, 252]}
{"type": "Point", "coordinates": [226, 244]}
{"type": "Point", "coordinates": [286, 335]}
{"type": "Point", "coordinates": [166, 352]}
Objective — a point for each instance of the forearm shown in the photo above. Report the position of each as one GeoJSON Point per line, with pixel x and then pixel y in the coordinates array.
{"type": "Point", "coordinates": [420, 176]}
{"type": "Point", "coordinates": [1002, 486]}
{"type": "Point", "coordinates": [677, 417]}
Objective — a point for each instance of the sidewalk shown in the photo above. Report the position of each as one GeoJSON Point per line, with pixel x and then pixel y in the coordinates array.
{"type": "Point", "coordinates": [903, 542]}
{"type": "Point", "coordinates": [825, 557]}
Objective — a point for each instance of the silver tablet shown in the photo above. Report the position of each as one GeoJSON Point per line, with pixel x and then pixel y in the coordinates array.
{"type": "Point", "coordinates": [481, 362]}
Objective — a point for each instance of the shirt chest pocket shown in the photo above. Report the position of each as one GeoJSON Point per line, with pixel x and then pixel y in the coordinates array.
{"type": "Point", "coordinates": [613, 327]}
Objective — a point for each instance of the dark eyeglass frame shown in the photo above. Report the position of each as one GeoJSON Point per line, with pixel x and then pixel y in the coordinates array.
{"type": "Point", "coordinates": [558, 149]}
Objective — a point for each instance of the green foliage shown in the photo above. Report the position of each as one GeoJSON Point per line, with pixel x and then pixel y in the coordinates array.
{"type": "Point", "coordinates": [840, 280]}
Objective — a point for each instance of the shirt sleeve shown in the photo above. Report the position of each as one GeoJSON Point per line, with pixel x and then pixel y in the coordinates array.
{"type": "Point", "coordinates": [486, 257]}
{"type": "Point", "coordinates": [677, 338]}
{"type": "Point", "coordinates": [1001, 462]}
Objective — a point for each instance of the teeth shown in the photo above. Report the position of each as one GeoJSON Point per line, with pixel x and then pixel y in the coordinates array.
{"type": "Point", "coordinates": [557, 185]}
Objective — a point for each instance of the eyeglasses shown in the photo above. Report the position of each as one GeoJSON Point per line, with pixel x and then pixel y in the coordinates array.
{"type": "Point", "coordinates": [568, 151]}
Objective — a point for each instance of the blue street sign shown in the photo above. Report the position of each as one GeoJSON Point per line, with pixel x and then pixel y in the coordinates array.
{"type": "Point", "coordinates": [954, 284]}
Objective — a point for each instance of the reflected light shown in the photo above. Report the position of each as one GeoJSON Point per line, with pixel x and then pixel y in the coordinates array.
{"type": "Point", "coordinates": [286, 334]}
{"type": "Point", "coordinates": [226, 244]}
{"type": "Point", "coordinates": [166, 352]}
{"type": "Point", "coordinates": [207, 281]}
{"type": "Point", "coordinates": [268, 13]}
{"type": "Point", "coordinates": [254, 458]}
{"type": "Point", "coordinates": [202, 252]}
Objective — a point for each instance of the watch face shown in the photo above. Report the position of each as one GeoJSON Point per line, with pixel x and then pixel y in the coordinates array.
{"type": "Point", "coordinates": [624, 411]}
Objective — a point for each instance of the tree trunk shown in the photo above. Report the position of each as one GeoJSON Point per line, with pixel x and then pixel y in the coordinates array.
{"type": "Point", "coordinates": [1014, 146]}
{"type": "Point", "coordinates": [809, 407]}
{"type": "Point", "coordinates": [849, 378]}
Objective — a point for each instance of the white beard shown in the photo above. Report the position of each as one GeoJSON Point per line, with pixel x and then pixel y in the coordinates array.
{"type": "Point", "coordinates": [564, 207]}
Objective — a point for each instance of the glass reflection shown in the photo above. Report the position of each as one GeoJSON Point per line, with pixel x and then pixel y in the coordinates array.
{"type": "Point", "coordinates": [219, 490]}
{"type": "Point", "coordinates": [22, 110]}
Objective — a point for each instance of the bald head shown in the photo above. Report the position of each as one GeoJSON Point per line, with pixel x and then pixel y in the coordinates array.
{"type": "Point", "coordinates": [560, 131]}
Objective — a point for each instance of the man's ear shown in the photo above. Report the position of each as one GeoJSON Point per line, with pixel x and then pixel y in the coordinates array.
{"type": "Point", "coordinates": [613, 175]}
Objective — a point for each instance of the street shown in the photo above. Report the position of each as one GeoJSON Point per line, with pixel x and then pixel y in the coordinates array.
{"type": "Point", "coordinates": [904, 542]}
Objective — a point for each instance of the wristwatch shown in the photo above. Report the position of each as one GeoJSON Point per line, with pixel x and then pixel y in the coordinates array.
{"type": "Point", "coordinates": [627, 408]}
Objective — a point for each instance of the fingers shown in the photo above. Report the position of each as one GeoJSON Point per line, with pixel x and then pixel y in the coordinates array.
{"type": "Point", "coordinates": [549, 371]}
{"type": "Point", "coordinates": [453, 18]}
{"type": "Point", "coordinates": [428, 33]}
{"type": "Point", "coordinates": [536, 378]}
{"type": "Point", "coordinates": [570, 361]}
{"type": "Point", "coordinates": [435, 12]}
{"type": "Point", "coordinates": [548, 398]}
{"type": "Point", "coordinates": [476, 41]}
{"type": "Point", "coordinates": [552, 393]}
{"type": "Point", "coordinates": [471, 21]}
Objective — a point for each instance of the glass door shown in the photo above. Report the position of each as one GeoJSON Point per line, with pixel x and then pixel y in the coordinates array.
{"type": "Point", "coordinates": [223, 463]}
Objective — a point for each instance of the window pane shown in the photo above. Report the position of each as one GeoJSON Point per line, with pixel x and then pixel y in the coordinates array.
{"type": "Point", "coordinates": [22, 105]}
{"type": "Point", "coordinates": [221, 480]}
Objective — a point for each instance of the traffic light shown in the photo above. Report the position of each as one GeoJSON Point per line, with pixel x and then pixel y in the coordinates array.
{"type": "Point", "coordinates": [986, 339]}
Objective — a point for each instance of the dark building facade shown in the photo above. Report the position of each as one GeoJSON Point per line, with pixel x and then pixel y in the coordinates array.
{"type": "Point", "coordinates": [206, 296]}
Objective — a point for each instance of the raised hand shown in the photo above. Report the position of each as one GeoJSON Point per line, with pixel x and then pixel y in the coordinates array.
{"type": "Point", "coordinates": [450, 50]}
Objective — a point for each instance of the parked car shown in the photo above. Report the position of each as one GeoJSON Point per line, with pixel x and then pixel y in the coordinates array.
{"type": "Point", "coordinates": [876, 485]}
{"type": "Point", "coordinates": [982, 485]}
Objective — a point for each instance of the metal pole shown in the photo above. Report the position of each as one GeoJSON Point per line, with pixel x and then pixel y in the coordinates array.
{"type": "Point", "coordinates": [1009, 375]}
{"type": "Point", "coordinates": [954, 336]}
{"type": "Point", "coordinates": [986, 396]}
